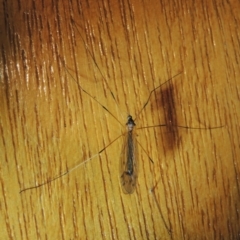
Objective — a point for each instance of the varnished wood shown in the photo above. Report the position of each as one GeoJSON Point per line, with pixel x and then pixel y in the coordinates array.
{"type": "Point", "coordinates": [48, 124]}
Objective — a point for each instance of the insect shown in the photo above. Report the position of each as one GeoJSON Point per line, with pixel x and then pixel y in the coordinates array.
{"type": "Point", "coordinates": [129, 159]}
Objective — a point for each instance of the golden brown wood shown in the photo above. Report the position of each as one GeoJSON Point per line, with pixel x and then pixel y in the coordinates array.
{"type": "Point", "coordinates": [48, 124]}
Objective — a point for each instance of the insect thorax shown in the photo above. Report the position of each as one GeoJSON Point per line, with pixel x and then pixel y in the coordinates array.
{"type": "Point", "coordinates": [130, 123]}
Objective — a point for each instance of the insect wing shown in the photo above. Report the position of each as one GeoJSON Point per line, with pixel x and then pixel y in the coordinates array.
{"type": "Point", "coordinates": [129, 163]}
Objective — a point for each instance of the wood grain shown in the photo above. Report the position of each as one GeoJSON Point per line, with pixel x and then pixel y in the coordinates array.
{"type": "Point", "coordinates": [48, 124]}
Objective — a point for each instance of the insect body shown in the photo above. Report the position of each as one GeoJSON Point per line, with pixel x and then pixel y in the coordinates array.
{"type": "Point", "coordinates": [128, 163]}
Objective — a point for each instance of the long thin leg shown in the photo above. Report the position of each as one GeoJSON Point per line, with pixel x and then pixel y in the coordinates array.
{"type": "Point", "coordinates": [72, 169]}
{"type": "Point", "coordinates": [82, 89]}
{"type": "Point", "coordinates": [152, 93]}
{"type": "Point", "coordinates": [94, 60]}
{"type": "Point", "coordinates": [160, 211]}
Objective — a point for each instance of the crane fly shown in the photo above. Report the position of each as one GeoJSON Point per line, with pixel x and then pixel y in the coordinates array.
{"type": "Point", "coordinates": [129, 158]}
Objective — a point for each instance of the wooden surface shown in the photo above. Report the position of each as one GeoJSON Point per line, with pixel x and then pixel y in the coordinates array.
{"type": "Point", "coordinates": [48, 125]}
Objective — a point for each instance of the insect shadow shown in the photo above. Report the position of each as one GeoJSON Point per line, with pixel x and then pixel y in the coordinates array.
{"type": "Point", "coordinates": [166, 104]}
